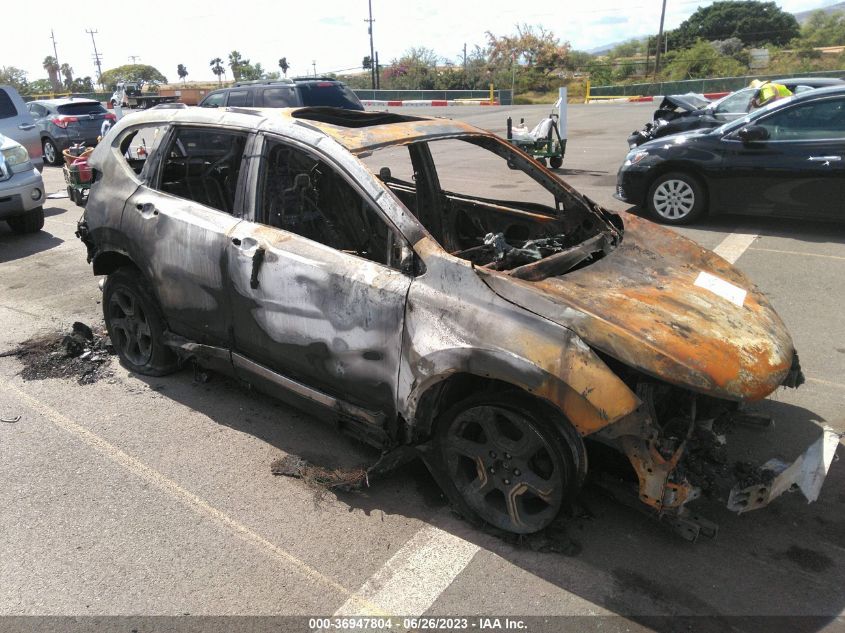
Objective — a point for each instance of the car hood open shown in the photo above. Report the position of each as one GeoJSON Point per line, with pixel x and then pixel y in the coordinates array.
{"type": "Point", "coordinates": [668, 307]}
{"type": "Point", "coordinates": [688, 102]}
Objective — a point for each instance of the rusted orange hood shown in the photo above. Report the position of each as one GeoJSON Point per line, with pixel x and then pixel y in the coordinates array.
{"type": "Point", "coordinates": [666, 306]}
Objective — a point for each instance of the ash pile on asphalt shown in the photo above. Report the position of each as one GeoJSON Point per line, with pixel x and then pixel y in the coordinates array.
{"type": "Point", "coordinates": [83, 354]}
{"type": "Point", "coordinates": [318, 476]}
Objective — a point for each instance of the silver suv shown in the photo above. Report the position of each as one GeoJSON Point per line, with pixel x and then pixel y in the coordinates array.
{"type": "Point", "coordinates": [495, 326]}
{"type": "Point", "coordinates": [17, 123]}
{"type": "Point", "coordinates": [21, 189]}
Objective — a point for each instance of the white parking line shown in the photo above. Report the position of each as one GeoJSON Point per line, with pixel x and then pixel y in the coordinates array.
{"type": "Point", "coordinates": [734, 245]}
{"type": "Point", "coordinates": [799, 253]}
{"type": "Point", "coordinates": [189, 499]}
{"type": "Point", "coordinates": [413, 578]}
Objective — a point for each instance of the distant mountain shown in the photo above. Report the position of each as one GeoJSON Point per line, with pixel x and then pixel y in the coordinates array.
{"type": "Point", "coordinates": [801, 16]}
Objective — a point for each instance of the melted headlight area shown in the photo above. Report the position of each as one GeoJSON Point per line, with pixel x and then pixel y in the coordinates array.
{"type": "Point", "coordinates": [676, 443]}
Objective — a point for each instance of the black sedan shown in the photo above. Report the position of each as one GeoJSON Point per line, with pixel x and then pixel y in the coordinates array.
{"type": "Point", "coordinates": [684, 113]}
{"type": "Point", "coordinates": [786, 159]}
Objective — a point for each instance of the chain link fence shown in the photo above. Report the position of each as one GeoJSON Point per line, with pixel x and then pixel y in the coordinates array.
{"type": "Point", "coordinates": [717, 84]}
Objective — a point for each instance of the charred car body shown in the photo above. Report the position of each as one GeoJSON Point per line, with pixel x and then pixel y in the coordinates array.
{"type": "Point", "coordinates": [682, 113]}
{"type": "Point", "coordinates": [338, 256]}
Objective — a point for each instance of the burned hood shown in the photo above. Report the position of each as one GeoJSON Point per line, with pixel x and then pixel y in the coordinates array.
{"type": "Point", "coordinates": [688, 102]}
{"type": "Point", "coordinates": [669, 308]}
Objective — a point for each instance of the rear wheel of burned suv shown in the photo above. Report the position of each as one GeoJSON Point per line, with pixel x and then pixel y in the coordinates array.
{"type": "Point", "coordinates": [676, 198]}
{"type": "Point", "coordinates": [135, 325]}
{"type": "Point", "coordinates": [507, 462]}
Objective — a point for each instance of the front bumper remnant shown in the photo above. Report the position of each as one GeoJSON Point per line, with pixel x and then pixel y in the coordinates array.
{"type": "Point", "coordinates": [807, 474]}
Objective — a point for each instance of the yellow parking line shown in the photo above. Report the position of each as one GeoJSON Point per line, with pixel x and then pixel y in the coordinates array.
{"type": "Point", "coordinates": [774, 250]}
{"type": "Point", "coordinates": [196, 503]}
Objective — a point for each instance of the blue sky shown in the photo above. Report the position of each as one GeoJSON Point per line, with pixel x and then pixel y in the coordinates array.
{"type": "Point", "coordinates": [333, 35]}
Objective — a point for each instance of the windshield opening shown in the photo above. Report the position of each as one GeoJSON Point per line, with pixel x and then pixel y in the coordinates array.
{"type": "Point", "coordinates": [487, 204]}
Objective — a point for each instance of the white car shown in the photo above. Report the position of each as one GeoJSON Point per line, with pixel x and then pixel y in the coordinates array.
{"type": "Point", "coordinates": [21, 188]}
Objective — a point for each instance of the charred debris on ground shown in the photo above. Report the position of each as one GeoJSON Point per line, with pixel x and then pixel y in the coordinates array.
{"type": "Point", "coordinates": [83, 353]}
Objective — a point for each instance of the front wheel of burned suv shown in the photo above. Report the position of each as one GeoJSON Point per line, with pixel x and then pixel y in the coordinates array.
{"type": "Point", "coordinates": [135, 324]}
{"type": "Point", "coordinates": [508, 462]}
{"type": "Point", "coordinates": [676, 198]}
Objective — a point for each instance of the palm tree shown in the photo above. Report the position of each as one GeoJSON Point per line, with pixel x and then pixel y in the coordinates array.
{"type": "Point", "coordinates": [217, 68]}
{"type": "Point", "coordinates": [67, 73]}
{"type": "Point", "coordinates": [182, 72]}
{"type": "Point", "coordinates": [236, 63]}
{"type": "Point", "coordinates": [51, 65]}
{"type": "Point", "coordinates": [283, 64]}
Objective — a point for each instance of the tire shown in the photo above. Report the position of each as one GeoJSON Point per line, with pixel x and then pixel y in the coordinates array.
{"type": "Point", "coordinates": [31, 222]}
{"type": "Point", "coordinates": [507, 461]}
{"type": "Point", "coordinates": [52, 155]}
{"type": "Point", "coordinates": [555, 162]}
{"type": "Point", "coordinates": [135, 324]}
{"type": "Point", "coordinates": [676, 198]}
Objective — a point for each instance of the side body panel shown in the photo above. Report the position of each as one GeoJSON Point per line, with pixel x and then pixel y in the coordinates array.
{"type": "Point", "coordinates": [456, 324]}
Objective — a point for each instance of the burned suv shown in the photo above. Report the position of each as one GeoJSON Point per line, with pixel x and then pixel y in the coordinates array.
{"type": "Point", "coordinates": [495, 328]}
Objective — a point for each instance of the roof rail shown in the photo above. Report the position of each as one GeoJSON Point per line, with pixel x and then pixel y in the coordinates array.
{"type": "Point", "coordinates": [257, 82]}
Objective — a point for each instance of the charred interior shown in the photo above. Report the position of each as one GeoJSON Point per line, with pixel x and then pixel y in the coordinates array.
{"type": "Point", "coordinates": [535, 218]}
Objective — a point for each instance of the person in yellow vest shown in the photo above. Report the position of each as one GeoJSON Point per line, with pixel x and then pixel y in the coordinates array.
{"type": "Point", "coordinates": [767, 92]}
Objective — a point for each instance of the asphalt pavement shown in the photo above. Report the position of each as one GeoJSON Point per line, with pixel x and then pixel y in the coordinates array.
{"type": "Point", "coordinates": [137, 496]}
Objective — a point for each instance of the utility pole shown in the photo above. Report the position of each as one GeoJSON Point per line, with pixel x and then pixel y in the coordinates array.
{"type": "Point", "coordinates": [314, 66]}
{"type": "Point", "coordinates": [659, 39]}
{"type": "Point", "coordinates": [372, 50]}
{"type": "Point", "coordinates": [133, 58]}
{"type": "Point", "coordinates": [465, 59]}
{"type": "Point", "coordinates": [378, 74]}
{"type": "Point", "coordinates": [55, 52]}
{"type": "Point", "coordinates": [96, 57]}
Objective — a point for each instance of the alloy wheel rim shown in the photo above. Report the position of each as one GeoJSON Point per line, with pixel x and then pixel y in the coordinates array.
{"type": "Point", "coordinates": [674, 199]}
{"type": "Point", "coordinates": [49, 152]}
{"type": "Point", "coordinates": [130, 328]}
{"type": "Point", "coordinates": [504, 469]}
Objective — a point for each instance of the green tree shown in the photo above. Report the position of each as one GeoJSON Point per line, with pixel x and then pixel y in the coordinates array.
{"type": "Point", "coordinates": [753, 22]}
{"type": "Point", "coordinates": [823, 29]}
{"type": "Point", "coordinates": [627, 49]}
{"type": "Point", "coordinates": [67, 73]}
{"type": "Point", "coordinates": [536, 52]}
{"type": "Point", "coordinates": [85, 84]}
{"type": "Point", "coordinates": [283, 64]}
{"type": "Point", "coordinates": [415, 70]}
{"type": "Point", "coordinates": [39, 87]}
{"type": "Point", "coordinates": [182, 72]}
{"type": "Point", "coordinates": [578, 60]}
{"type": "Point", "coordinates": [250, 72]}
{"type": "Point", "coordinates": [218, 69]}
{"type": "Point", "coordinates": [132, 72]}
{"type": "Point", "coordinates": [15, 77]}
{"type": "Point", "coordinates": [702, 60]}
{"type": "Point", "coordinates": [52, 67]}
{"type": "Point", "coordinates": [237, 63]}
